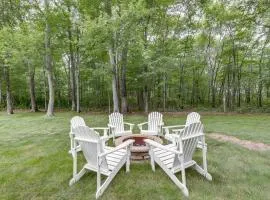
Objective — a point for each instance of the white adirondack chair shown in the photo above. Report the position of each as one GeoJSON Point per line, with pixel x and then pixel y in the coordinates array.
{"type": "Point", "coordinates": [155, 123]}
{"type": "Point", "coordinates": [192, 117]}
{"type": "Point", "coordinates": [74, 146]}
{"type": "Point", "coordinates": [79, 121]}
{"type": "Point", "coordinates": [176, 158]}
{"type": "Point", "coordinates": [117, 125]}
{"type": "Point", "coordinates": [100, 158]}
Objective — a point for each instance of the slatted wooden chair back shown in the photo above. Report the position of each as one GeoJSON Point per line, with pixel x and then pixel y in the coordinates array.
{"type": "Point", "coordinates": [189, 140]}
{"type": "Point", "coordinates": [155, 119]}
{"type": "Point", "coordinates": [116, 119]}
{"type": "Point", "coordinates": [193, 117]}
{"type": "Point", "coordinates": [91, 146]}
{"type": "Point", "coordinates": [76, 121]}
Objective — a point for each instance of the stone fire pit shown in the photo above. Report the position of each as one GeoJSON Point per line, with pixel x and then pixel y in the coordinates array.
{"type": "Point", "coordinates": [139, 150]}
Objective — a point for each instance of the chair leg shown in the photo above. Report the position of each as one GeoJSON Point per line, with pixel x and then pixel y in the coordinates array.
{"type": "Point", "coordinates": [106, 183]}
{"type": "Point", "coordinates": [77, 177]}
{"type": "Point", "coordinates": [74, 156]}
{"type": "Point", "coordinates": [152, 159]}
{"type": "Point", "coordinates": [128, 159]}
{"type": "Point", "coordinates": [202, 172]}
{"type": "Point", "coordinates": [172, 176]}
{"type": "Point", "coordinates": [183, 172]}
{"type": "Point", "coordinates": [204, 151]}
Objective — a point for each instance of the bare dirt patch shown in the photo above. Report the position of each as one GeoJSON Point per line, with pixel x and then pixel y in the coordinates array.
{"type": "Point", "coordinates": [257, 146]}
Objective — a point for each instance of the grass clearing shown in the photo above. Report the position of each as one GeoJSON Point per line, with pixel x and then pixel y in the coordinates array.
{"type": "Point", "coordinates": [34, 162]}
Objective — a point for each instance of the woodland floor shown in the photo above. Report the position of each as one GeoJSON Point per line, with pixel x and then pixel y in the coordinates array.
{"type": "Point", "coordinates": [34, 163]}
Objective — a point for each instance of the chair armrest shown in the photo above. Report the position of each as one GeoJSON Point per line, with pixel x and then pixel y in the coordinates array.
{"type": "Point", "coordinates": [171, 127]}
{"type": "Point", "coordinates": [101, 128]}
{"type": "Point", "coordinates": [177, 130]}
{"type": "Point", "coordinates": [121, 146]}
{"type": "Point", "coordinates": [155, 144]}
{"type": "Point", "coordinates": [84, 140]}
{"type": "Point", "coordinates": [175, 126]}
{"type": "Point", "coordinates": [130, 125]}
{"type": "Point", "coordinates": [141, 124]}
{"type": "Point", "coordinates": [161, 125]}
{"type": "Point", "coordinates": [111, 126]}
{"type": "Point", "coordinates": [105, 130]}
{"type": "Point", "coordinates": [160, 129]}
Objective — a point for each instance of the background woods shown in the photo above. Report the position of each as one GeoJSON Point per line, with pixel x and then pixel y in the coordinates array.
{"type": "Point", "coordinates": [134, 55]}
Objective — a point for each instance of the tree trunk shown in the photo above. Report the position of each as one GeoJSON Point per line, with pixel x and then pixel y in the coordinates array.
{"type": "Point", "coordinates": [109, 101]}
{"type": "Point", "coordinates": [45, 88]}
{"type": "Point", "coordinates": [72, 67]}
{"type": "Point", "coordinates": [114, 82]}
{"type": "Point", "coordinates": [145, 98]}
{"type": "Point", "coordinates": [146, 88]}
{"type": "Point", "coordinates": [181, 86]}
{"type": "Point", "coordinates": [140, 102]}
{"type": "Point", "coordinates": [49, 67]}
{"type": "Point", "coordinates": [9, 100]}
{"type": "Point", "coordinates": [260, 86]}
{"type": "Point", "coordinates": [108, 10]}
{"type": "Point", "coordinates": [50, 110]}
{"type": "Point", "coordinates": [239, 76]}
{"type": "Point", "coordinates": [31, 82]}
{"type": "Point", "coordinates": [115, 95]}
{"type": "Point", "coordinates": [124, 103]}
{"type": "Point", "coordinates": [78, 109]}
{"type": "Point", "coordinates": [72, 74]}
{"type": "Point", "coordinates": [164, 91]}
{"type": "Point", "coordinates": [224, 101]}
{"type": "Point", "coordinates": [78, 89]}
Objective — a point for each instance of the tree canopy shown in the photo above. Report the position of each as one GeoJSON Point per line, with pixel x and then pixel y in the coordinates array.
{"type": "Point", "coordinates": [120, 55]}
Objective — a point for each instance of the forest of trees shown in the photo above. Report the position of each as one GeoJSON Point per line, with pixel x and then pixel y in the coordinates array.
{"type": "Point", "coordinates": [130, 55]}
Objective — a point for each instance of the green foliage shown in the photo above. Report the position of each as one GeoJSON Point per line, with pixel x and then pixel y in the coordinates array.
{"type": "Point", "coordinates": [187, 54]}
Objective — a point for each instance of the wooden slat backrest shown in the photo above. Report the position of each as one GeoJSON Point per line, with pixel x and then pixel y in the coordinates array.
{"type": "Point", "coordinates": [193, 118]}
{"type": "Point", "coordinates": [76, 121]}
{"type": "Point", "coordinates": [92, 147]}
{"type": "Point", "coordinates": [154, 120]}
{"type": "Point", "coordinates": [189, 142]}
{"type": "Point", "coordinates": [116, 119]}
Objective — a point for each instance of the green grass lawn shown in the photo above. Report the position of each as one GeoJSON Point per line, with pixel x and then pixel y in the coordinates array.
{"type": "Point", "coordinates": [34, 163]}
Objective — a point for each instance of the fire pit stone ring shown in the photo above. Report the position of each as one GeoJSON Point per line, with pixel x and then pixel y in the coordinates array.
{"type": "Point", "coordinates": [139, 150]}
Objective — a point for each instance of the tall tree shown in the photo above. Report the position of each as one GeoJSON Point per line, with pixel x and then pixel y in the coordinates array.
{"type": "Point", "coordinates": [48, 61]}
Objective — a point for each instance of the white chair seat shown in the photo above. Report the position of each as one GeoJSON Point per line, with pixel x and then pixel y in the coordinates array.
{"type": "Point", "coordinates": [172, 137]}
{"type": "Point", "coordinates": [121, 133]}
{"type": "Point", "coordinates": [148, 132]}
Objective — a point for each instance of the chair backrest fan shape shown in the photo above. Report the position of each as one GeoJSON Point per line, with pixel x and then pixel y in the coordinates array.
{"type": "Point", "coordinates": [91, 146]}
{"type": "Point", "coordinates": [189, 140]}
{"type": "Point", "coordinates": [116, 119]}
{"type": "Point", "coordinates": [193, 118]}
{"type": "Point", "coordinates": [77, 121]}
{"type": "Point", "coordinates": [154, 120]}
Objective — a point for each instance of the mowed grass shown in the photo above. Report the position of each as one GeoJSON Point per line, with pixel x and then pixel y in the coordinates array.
{"type": "Point", "coordinates": [34, 163]}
